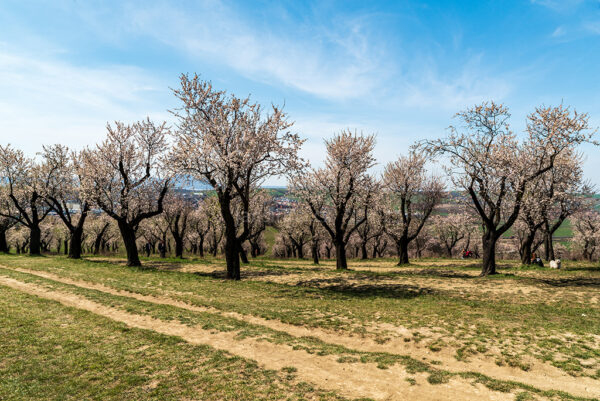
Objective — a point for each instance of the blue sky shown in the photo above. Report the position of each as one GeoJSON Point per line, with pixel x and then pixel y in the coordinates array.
{"type": "Point", "coordinates": [397, 69]}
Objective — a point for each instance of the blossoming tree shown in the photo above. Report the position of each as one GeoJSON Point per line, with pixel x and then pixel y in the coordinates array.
{"type": "Point", "coordinates": [126, 176]}
{"type": "Point", "coordinates": [495, 168]}
{"type": "Point", "coordinates": [230, 144]}
{"type": "Point", "coordinates": [335, 192]}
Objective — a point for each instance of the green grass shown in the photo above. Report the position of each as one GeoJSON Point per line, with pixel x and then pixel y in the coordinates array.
{"type": "Point", "coordinates": [565, 230]}
{"type": "Point", "coordinates": [471, 321]}
{"type": "Point", "coordinates": [49, 351]}
{"type": "Point", "coordinates": [270, 234]}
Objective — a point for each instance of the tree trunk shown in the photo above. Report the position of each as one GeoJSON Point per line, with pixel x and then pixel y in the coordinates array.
{"type": "Point", "coordinates": [525, 251]}
{"type": "Point", "coordinates": [178, 246]}
{"type": "Point", "coordinates": [232, 257]}
{"type": "Point", "coordinates": [340, 256]}
{"type": "Point", "coordinates": [201, 247]}
{"type": "Point", "coordinates": [300, 249]}
{"type": "Point", "coordinates": [402, 247]}
{"type": "Point", "coordinates": [99, 238]}
{"type": "Point", "coordinates": [315, 252]}
{"type": "Point", "coordinates": [363, 251]}
{"type": "Point", "coordinates": [3, 242]}
{"type": "Point", "coordinates": [548, 247]}
{"type": "Point", "coordinates": [489, 254]}
{"type": "Point", "coordinates": [448, 251]}
{"type": "Point", "coordinates": [35, 235]}
{"type": "Point", "coordinates": [75, 243]}
{"type": "Point", "coordinates": [128, 236]}
{"type": "Point", "coordinates": [243, 255]}
{"type": "Point", "coordinates": [97, 244]}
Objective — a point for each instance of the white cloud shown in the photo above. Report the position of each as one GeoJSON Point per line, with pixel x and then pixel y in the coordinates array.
{"type": "Point", "coordinates": [339, 63]}
{"type": "Point", "coordinates": [316, 62]}
{"type": "Point", "coordinates": [43, 100]}
{"type": "Point", "coordinates": [52, 100]}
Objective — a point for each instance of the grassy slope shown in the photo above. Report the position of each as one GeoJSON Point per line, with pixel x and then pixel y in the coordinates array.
{"type": "Point", "coordinates": [472, 322]}
{"type": "Point", "coordinates": [49, 351]}
{"type": "Point", "coordinates": [270, 234]}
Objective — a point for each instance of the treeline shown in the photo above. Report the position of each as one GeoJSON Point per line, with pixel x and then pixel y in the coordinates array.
{"type": "Point", "coordinates": [530, 183]}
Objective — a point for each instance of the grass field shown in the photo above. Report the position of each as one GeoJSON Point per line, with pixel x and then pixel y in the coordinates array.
{"type": "Point", "coordinates": [96, 329]}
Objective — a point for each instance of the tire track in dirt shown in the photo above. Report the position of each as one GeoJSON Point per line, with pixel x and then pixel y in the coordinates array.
{"type": "Point", "coordinates": [350, 380]}
{"type": "Point", "coordinates": [540, 375]}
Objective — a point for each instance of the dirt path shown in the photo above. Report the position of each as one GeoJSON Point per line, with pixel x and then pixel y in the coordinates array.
{"type": "Point", "coordinates": [540, 375]}
{"type": "Point", "coordinates": [350, 380]}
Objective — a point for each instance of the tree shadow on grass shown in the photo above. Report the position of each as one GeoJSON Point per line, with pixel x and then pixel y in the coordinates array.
{"type": "Point", "coordinates": [595, 269]}
{"type": "Point", "coordinates": [564, 282]}
{"type": "Point", "coordinates": [441, 273]}
{"type": "Point", "coordinates": [220, 273]}
{"type": "Point", "coordinates": [375, 289]}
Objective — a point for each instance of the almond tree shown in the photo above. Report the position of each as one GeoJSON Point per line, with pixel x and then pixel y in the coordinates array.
{"type": "Point", "coordinates": [151, 231]}
{"type": "Point", "coordinates": [63, 191]}
{"type": "Point", "coordinates": [126, 177]}
{"type": "Point", "coordinates": [570, 193]}
{"type": "Point", "coordinates": [19, 236]}
{"type": "Point", "coordinates": [379, 240]}
{"type": "Point", "coordinates": [177, 214]}
{"type": "Point", "coordinates": [212, 213]}
{"type": "Point", "coordinates": [549, 201]}
{"type": "Point", "coordinates": [536, 200]}
{"type": "Point", "coordinates": [423, 241]}
{"type": "Point", "coordinates": [260, 205]}
{"type": "Point", "coordinates": [586, 232]}
{"type": "Point", "coordinates": [411, 196]}
{"type": "Point", "coordinates": [488, 161]}
{"type": "Point", "coordinates": [22, 193]}
{"type": "Point", "coordinates": [317, 233]}
{"type": "Point", "coordinates": [334, 192]}
{"type": "Point", "coordinates": [229, 143]}
{"type": "Point", "coordinates": [371, 228]}
{"type": "Point", "coordinates": [200, 226]}
{"type": "Point", "coordinates": [282, 248]}
{"type": "Point", "coordinates": [296, 227]}
{"type": "Point", "coordinates": [6, 223]}
{"type": "Point", "coordinates": [451, 229]}
{"type": "Point", "coordinates": [98, 228]}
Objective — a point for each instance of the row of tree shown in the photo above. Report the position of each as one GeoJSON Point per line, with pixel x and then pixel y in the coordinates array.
{"type": "Point", "coordinates": [195, 226]}
{"type": "Point", "coordinates": [233, 145]}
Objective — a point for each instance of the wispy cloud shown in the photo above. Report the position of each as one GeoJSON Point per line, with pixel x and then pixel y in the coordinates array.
{"type": "Point", "coordinates": [47, 100]}
{"type": "Point", "coordinates": [559, 5]}
{"type": "Point", "coordinates": [341, 62]}
{"type": "Point", "coordinates": [331, 66]}
{"type": "Point", "coordinates": [592, 27]}
{"type": "Point", "coordinates": [432, 88]}
{"type": "Point", "coordinates": [559, 32]}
